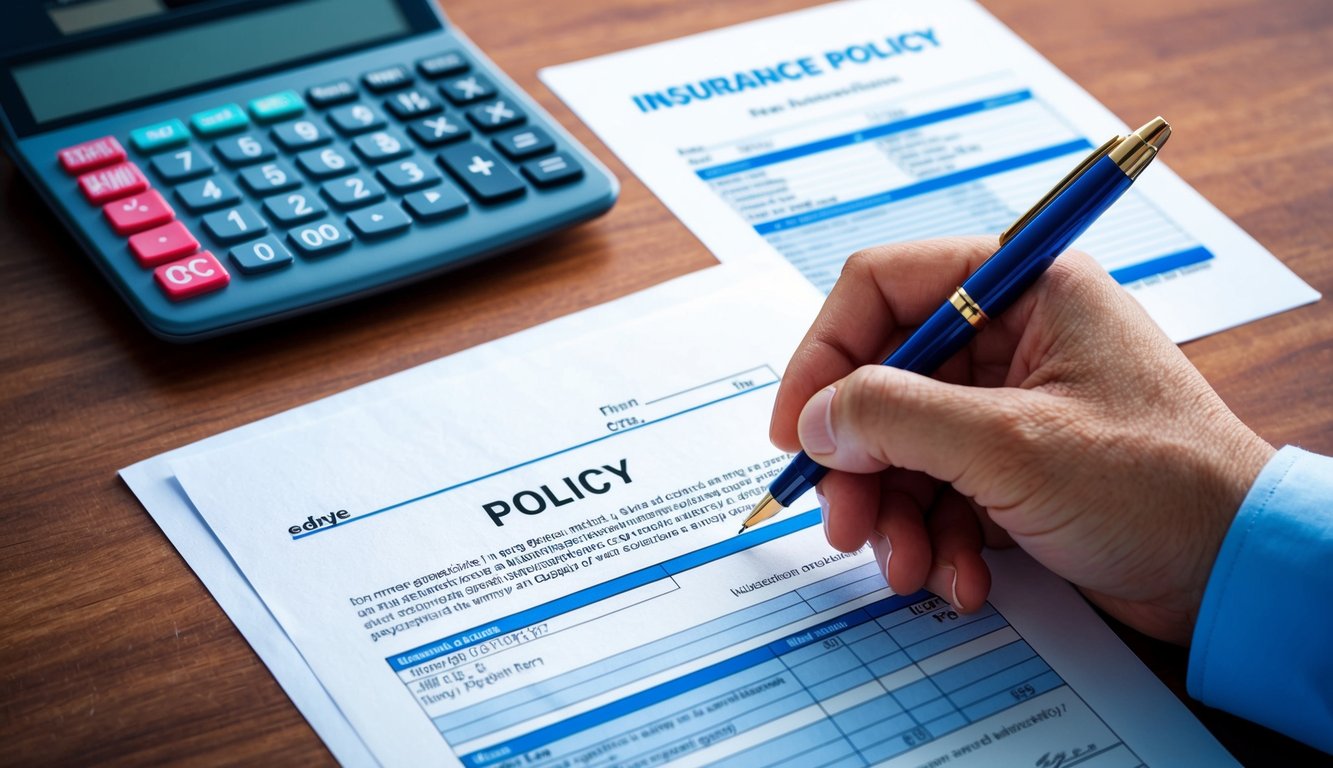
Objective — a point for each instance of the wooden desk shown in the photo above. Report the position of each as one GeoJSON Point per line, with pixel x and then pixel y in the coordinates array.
{"type": "Point", "coordinates": [113, 650]}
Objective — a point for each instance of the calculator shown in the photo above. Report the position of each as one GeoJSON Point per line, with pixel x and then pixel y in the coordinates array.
{"type": "Point", "coordinates": [227, 163]}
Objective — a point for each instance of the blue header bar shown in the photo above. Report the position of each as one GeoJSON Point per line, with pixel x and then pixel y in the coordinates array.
{"type": "Point", "coordinates": [1167, 263]}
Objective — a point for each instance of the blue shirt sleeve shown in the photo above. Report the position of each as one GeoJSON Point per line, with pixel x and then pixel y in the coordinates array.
{"type": "Point", "coordinates": [1263, 642]}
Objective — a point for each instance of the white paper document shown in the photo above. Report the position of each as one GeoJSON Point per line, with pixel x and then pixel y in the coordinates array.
{"type": "Point", "coordinates": [526, 555]}
{"type": "Point", "coordinates": [807, 136]}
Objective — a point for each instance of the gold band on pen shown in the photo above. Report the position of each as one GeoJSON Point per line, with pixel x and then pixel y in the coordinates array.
{"type": "Point", "coordinates": [969, 309]}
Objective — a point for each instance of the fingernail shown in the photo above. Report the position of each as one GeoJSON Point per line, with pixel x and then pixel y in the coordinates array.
{"type": "Point", "coordinates": [953, 588]}
{"type": "Point", "coordinates": [823, 509]}
{"type": "Point", "coordinates": [888, 555]}
{"type": "Point", "coordinates": [815, 427]}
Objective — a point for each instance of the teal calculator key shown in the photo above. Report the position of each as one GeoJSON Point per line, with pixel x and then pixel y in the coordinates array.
{"type": "Point", "coordinates": [269, 178]}
{"type": "Point", "coordinates": [152, 138]}
{"type": "Point", "coordinates": [277, 106]}
{"type": "Point", "coordinates": [353, 191]}
{"type": "Point", "coordinates": [223, 119]}
{"type": "Point", "coordinates": [263, 255]}
{"type": "Point", "coordinates": [440, 202]}
{"type": "Point", "coordinates": [294, 207]}
{"type": "Point", "coordinates": [379, 220]}
{"type": "Point", "coordinates": [406, 175]}
{"type": "Point", "coordinates": [188, 162]}
{"type": "Point", "coordinates": [238, 223]}
{"type": "Point", "coordinates": [207, 194]}
{"type": "Point", "coordinates": [319, 238]}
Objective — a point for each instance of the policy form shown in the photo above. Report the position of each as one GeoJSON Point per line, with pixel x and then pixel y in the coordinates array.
{"type": "Point", "coordinates": [531, 559]}
{"type": "Point", "coordinates": [807, 136]}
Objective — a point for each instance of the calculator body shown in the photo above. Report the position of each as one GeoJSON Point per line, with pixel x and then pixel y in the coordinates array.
{"type": "Point", "coordinates": [244, 184]}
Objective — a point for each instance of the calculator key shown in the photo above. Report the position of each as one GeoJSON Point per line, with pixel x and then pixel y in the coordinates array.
{"type": "Point", "coordinates": [438, 131]}
{"type": "Point", "coordinates": [328, 94]}
{"type": "Point", "coordinates": [353, 191]}
{"type": "Point", "coordinates": [191, 276]}
{"type": "Point", "coordinates": [319, 238]}
{"type": "Point", "coordinates": [262, 255]}
{"type": "Point", "coordinates": [387, 79]}
{"type": "Point", "coordinates": [467, 90]}
{"type": "Point", "coordinates": [382, 146]}
{"type": "Point", "coordinates": [162, 244]}
{"type": "Point", "coordinates": [138, 212]}
{"type": "Point", "coordinates": [442, 65]}
{"type": "Point", "coordinates": [356, 118]}
{"type": "Point", "coordinates": [112, 182]}
{"type": "Point", "coordinates": [244, 149]}
{"type": "Point", "coordinates": [188, 162]}
{"type": "Point", "coordinates": [406, 175]}
{"type": "Point", "coordinates": [325, 163]}
{"type": "Point", "coordinates": [436, 203]}
{"type": "Point", "coordinates": [294, 207]}
{"type": "Point", "coordinates": [269, 178]}
{"type": "Point", "coordinates": [300, 134]}
{"type": "Point", "coordinates": [412, 104]}
{"type": "Point", "coordinates": [496, 115]}
{"type": "Point", "coordinates": [481, 172]}
{"type": "Point", "coordinates": [207, 194]}
{"type": "Point", "coordinates": [552, 171]}
{"type": "Point", "coordinates": [277, 106]}
{"type": "Point", "coordinates": [379, 220]}
{"type": "Point", "coordinates": [158, 136]}
{"type": "Point", "coordinates": [91, 154]}
{"type": "Point", "coordinates": [524, 143]}
{"type": "Point", "coordinates": [237, 223]}
{"type": "Point", "coordinates": [219, 120]}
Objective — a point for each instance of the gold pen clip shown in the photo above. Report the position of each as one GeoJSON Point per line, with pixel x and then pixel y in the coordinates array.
{"type": "Point", "coordinates": [1097, 154]}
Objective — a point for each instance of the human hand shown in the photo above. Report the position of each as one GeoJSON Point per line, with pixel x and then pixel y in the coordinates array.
{"type": "Point", "coordinates": [1071, 426]}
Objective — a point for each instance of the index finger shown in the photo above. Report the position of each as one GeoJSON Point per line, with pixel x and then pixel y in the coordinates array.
{"type": "Point", "coordinates": [880, 290]}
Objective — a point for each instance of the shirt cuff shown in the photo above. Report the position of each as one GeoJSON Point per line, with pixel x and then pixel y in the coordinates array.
{"type": "Point", "coordinates": [1263, 642]}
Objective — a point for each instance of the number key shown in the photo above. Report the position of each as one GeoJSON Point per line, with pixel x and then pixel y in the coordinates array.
{"type": "Point", "coordinates": [407, 175]}
{"type": "Point", "coordinates": [300, 134]}
{"type": "Point", "coordinates": [318, 239]}
{"type": "Point", "coordinates": [412, 104]}
{"type": "Point", "coordinates": [325, 163]}
{"type": "Point", "coordinates": [207, 194]}
{"type": "Point", "coordinates": [262, 255]}
{"type": "Point", "coordinates": [182, 164]}
{"type": "Point", "coordinates": [269, 178]}
{"type": "Point", "coordinates": [243, 150]}
{"type": "Point", "coordinates": [294, 207]}
{"type": "Point", "coordinates": [233, 224]}
{"type": "Point", "coordinates": [381, 146]}
{"type": "Point", "coordinates": [353, 192]}
{"type": "Point", "coordinates": [356, 118]}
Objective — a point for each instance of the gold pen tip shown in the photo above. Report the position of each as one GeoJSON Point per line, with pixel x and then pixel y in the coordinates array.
{"type": "Point", "coordinates": [1155, 132]}
{"type": "Point", "coordinates": [766, 508]}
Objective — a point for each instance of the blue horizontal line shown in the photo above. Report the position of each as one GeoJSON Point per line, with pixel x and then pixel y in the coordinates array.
{"type": "Point", "coordinates": [867, 134]}
{"type": "Point", "coordinates": [1167, 263]}
{"type": "Point", "coordinates": [924, 187]}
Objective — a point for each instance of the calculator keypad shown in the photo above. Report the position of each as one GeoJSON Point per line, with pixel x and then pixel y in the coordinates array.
{"type": "Point", "coordinates": [310, 172]}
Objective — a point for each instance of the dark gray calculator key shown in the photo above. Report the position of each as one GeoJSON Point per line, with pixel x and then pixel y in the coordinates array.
{"type": "Point", "coordinates": [552, 171]}
{"type": "Point", "coordinates": [467, 89]}
{"type": "Point", "coordinates": [294, 207]}
{"type": "Point", "coordinates": [244, 150]}
{"type": "Point", "coordinates": [301, 134]}
{"type": "Point", "coordinates": [408, 174]}
{"type": "Point", "coordinates": [379, 220]}
{"type": "Point", "coordinates": [269, 178]}
{"type": "Point", "coordinates": [435, 203]}
{"type": "Point", "coordinates": [356, 118]}
{"type": "Point", "coordinates": [409, 105]}
{"type": "Point", "coordinates": [481, 172]}
{"type": "Point", "coordinates": [325, 163]}
{"type": "Point", "coordinates": [328, 94]}
{"type": "Point", "coordinates": [496, 115]}
{"type": "Point", "coordinates": [207, 194]}
{"type": "Point", "coordinates": [353, 191]}
{"type": "Point", "coordinates": [439, 130]}
{"type": "Point", "coordinates": [319, 238]}
{"type": "Point", "coordinates": [262, 255]}
{"type": "Point", "coordinates": [237, 223]}
{"type": "Point", "coordinates": [442, 65]}
{"type": "Point", "coordinates": [524, 143]}
{"type": "Point", "coordinates": [382, 146]}
{"type": "Point", "coordinates": [387, 79]}
{"type": "Point", "coordinates": [183, 164]}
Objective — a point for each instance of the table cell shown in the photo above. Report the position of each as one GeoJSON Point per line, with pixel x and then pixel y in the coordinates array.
{"type": "Point", "coordinates": [982, 666]}
{"type": "Point", "coordinates": [916, 694]}
{"type": "Point", "coordinates": [844, 682]}
{"type": "Point", "coordinates": [863, 716]}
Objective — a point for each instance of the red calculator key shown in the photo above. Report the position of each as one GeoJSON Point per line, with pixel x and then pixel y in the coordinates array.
{"type": "Point", "coordinates": [138, 212]}
{"type": "Point", "coordinates": [191, 276]}
{"type": "Point", "coordinates": [91, 154]}
{"type": "Point", "coordinates": [111, 183]}
{"type": "Point", "coordinates": [162, 244]}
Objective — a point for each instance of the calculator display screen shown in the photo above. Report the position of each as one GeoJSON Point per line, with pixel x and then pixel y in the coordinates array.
{"type": "Point", "coordinates": [122, 72]}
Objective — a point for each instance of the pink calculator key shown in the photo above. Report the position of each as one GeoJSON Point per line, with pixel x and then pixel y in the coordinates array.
{"type": "Point", "coordinates": [191, 276]}
{"type": "Point", "coordinates": [162, 244]}
{"type": "Point", "coordinates": [110, 183]}
{"type": "Point", "coordinates": [138, 212]}
{"type": "Point", "coordinates": [91, 154]}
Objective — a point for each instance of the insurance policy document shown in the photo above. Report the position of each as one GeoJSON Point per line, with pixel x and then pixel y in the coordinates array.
{"type": "Point", "coordinates": [532, 560]}
{"type": "Point", "coordinates": [807, 136]}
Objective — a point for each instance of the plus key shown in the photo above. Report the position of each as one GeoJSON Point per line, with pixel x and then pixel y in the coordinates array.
{"type": "Point", "coordinates": [481, 172]}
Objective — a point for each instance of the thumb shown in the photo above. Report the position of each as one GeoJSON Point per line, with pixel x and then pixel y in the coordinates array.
{"type": "Point", "coordinates": [879, 417]}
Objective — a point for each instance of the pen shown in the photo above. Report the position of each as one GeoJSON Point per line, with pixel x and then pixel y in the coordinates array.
{"type": "Point", "coordinates": [1026, 249]}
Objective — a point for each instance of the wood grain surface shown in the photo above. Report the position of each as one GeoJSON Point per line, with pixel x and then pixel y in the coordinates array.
{"type": "Point", "coordinates": [111, 651]}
